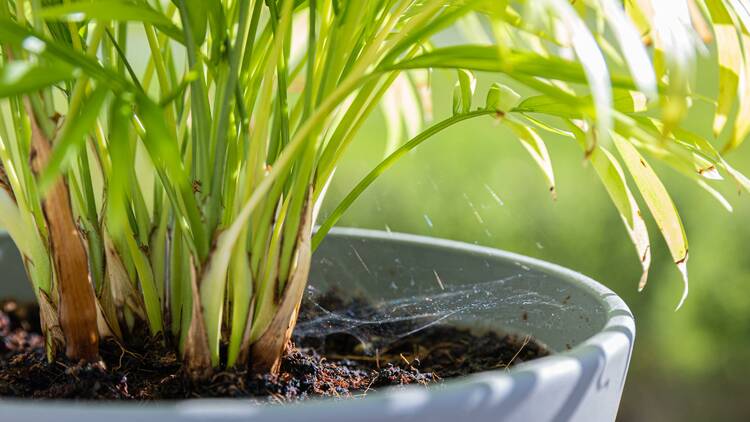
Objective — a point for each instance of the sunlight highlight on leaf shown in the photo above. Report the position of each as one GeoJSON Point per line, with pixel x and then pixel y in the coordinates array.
{"type": "Point", "coordinates": [592, 60]}
{"type": "Point", "coordinates": [111, 10]}
{"type": "Point", "coordinates": [632, 47]}
{"type": "Point", "coordinates": [741, 127]}
{"type": "Point", "coordinates": [730, 61]}
{"type": "Point", "coordinates": [25, 77]}
{"type": "Point", "coordinates": [676, 48]}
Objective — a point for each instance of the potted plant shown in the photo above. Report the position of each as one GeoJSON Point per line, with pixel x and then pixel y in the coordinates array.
{"type": "Point", "coordinates": [175, 202]}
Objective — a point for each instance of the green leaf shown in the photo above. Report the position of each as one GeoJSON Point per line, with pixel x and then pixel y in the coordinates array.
{"type": "Point", "coordinates": [624, 100]}
{"type": "Point", "coordinates": [493, 98]}
{"type": "Point", "coordinates": [467, 84]}
{"type": "Point", "coordinates": [592, 61]}
{"type": "Point", "coordinates": [198, 12]}
{"type": "Point", "coordinates": [474, 57]}
{"type": "Point", "coordinates": [676, 46]}
{"type": "Point", "coordinates": [634, 11]}
{"type": "Point", "coordinates": [687, 153]}
{"type": "Point", "coordinates": [120, 178]}
{"type": "Point", "coordinates": [660, 204]}
{"type": "Point", "coordinates": [161, 146]}
{"type": "Point", "coordinates": [457, 99]}
{"type": "Point", "coordinates": [147, 285]}
{"type": "Point", "coordinates": [23, 77]}
{"type": "Point", "coordinates": [73, 138]}
{"type": "Point", "coordinates": [536, 147]}
{"type": "Point", "coordinates": [217, 21]}
{"type": "Point", "coordinates": [612, 176]}
{"type": "Point", "coordinates": [242, 289]}
{"type": "Point", "coordinates": [730, 61]}
{"type": "Point", "coordinates": [112, 10]}
{"type": "Point", "coordinates": [741, 126]}
{"type": "Point", "coordinates": [628, 101]}
{"type": "Point", "coordinates": [502, 98]}
{"type": "Point", "coordinates": [12, 221]}
{"type": "Point", "coordinates": [613, 179]}
{"type": "Point", "coordinates": [690, 155]}
{"type": "Point", "coordinates": [487, 59]}
{"type": "Point", "coordinates": [548, 105]}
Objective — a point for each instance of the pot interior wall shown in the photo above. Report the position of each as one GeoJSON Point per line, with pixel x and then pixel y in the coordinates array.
{"type": "Point", "coordinates": [13, 281]}
{"type": "Point", "coordinates": [432, 282]}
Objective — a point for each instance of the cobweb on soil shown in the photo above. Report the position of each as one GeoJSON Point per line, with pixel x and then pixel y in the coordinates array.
{"type": "Point", "coordinates": [376, 324]}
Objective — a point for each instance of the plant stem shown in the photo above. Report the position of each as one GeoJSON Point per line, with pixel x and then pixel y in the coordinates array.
{"type": "Point", "coordinates": [77, 307]}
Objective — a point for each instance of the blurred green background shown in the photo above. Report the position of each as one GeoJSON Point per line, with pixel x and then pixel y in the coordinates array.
{"type": "Point", "coordinates": [475, 183]}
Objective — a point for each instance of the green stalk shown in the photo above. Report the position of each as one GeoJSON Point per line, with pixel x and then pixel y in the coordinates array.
{"type": "Point", "coordinates": [201, 116]}
{"type": "Point", "coordinates": [176, 281]}
{"type": "Point", "coordinates": [158, 255]}
{"type": "Point", "coordinates": [79, 90]}
{"type": "Point", "coordinates": [265, 299]}
{"type": "Point", "coordinates": [250, 58]}
{"type": "Point", "coordinates": [20, 153]}
{"type": "Point", "coordinates": [161, 71]}
{"type": "Point", "coordinates": [90, 220]}
{"type": "Point", "coordinates": [282, 112]}
{"type": "Point", "coordinates": [148, 285]}
{"type": "Point", "coordinates": [186, 298]}
{"type": "Point", "coordinates": [10, 160]}
{"type": "Point", "coordinates": [213, 284]}
{"type": "Point", "coordinates": [225, 105]}
{"type": "Point", "coordinates": [242, 291]}
{"type": "Point", "coordinates": [142, 216]}
{"type": "Point", "coordinates": [301, 180]}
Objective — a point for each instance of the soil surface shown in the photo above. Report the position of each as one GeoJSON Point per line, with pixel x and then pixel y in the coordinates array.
{"type": "Point", "coordinates": [333, 366]}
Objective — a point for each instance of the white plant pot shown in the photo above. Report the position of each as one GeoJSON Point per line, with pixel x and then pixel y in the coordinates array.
{"type": "Point", "coordinates": [587, 325]}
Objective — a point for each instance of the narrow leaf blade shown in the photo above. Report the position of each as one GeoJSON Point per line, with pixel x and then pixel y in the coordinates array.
{"type": "Point", "coordinates": [19, 77]}
{"type": "Point", "coordinates": [660, 204]}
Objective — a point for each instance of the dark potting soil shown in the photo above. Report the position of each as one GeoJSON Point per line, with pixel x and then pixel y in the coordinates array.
{"type": "Point", "coordinates": [333, 367]}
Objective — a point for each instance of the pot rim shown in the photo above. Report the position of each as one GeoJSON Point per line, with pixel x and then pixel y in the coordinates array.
{"type": "Point", "coordinates": [617, 332]}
